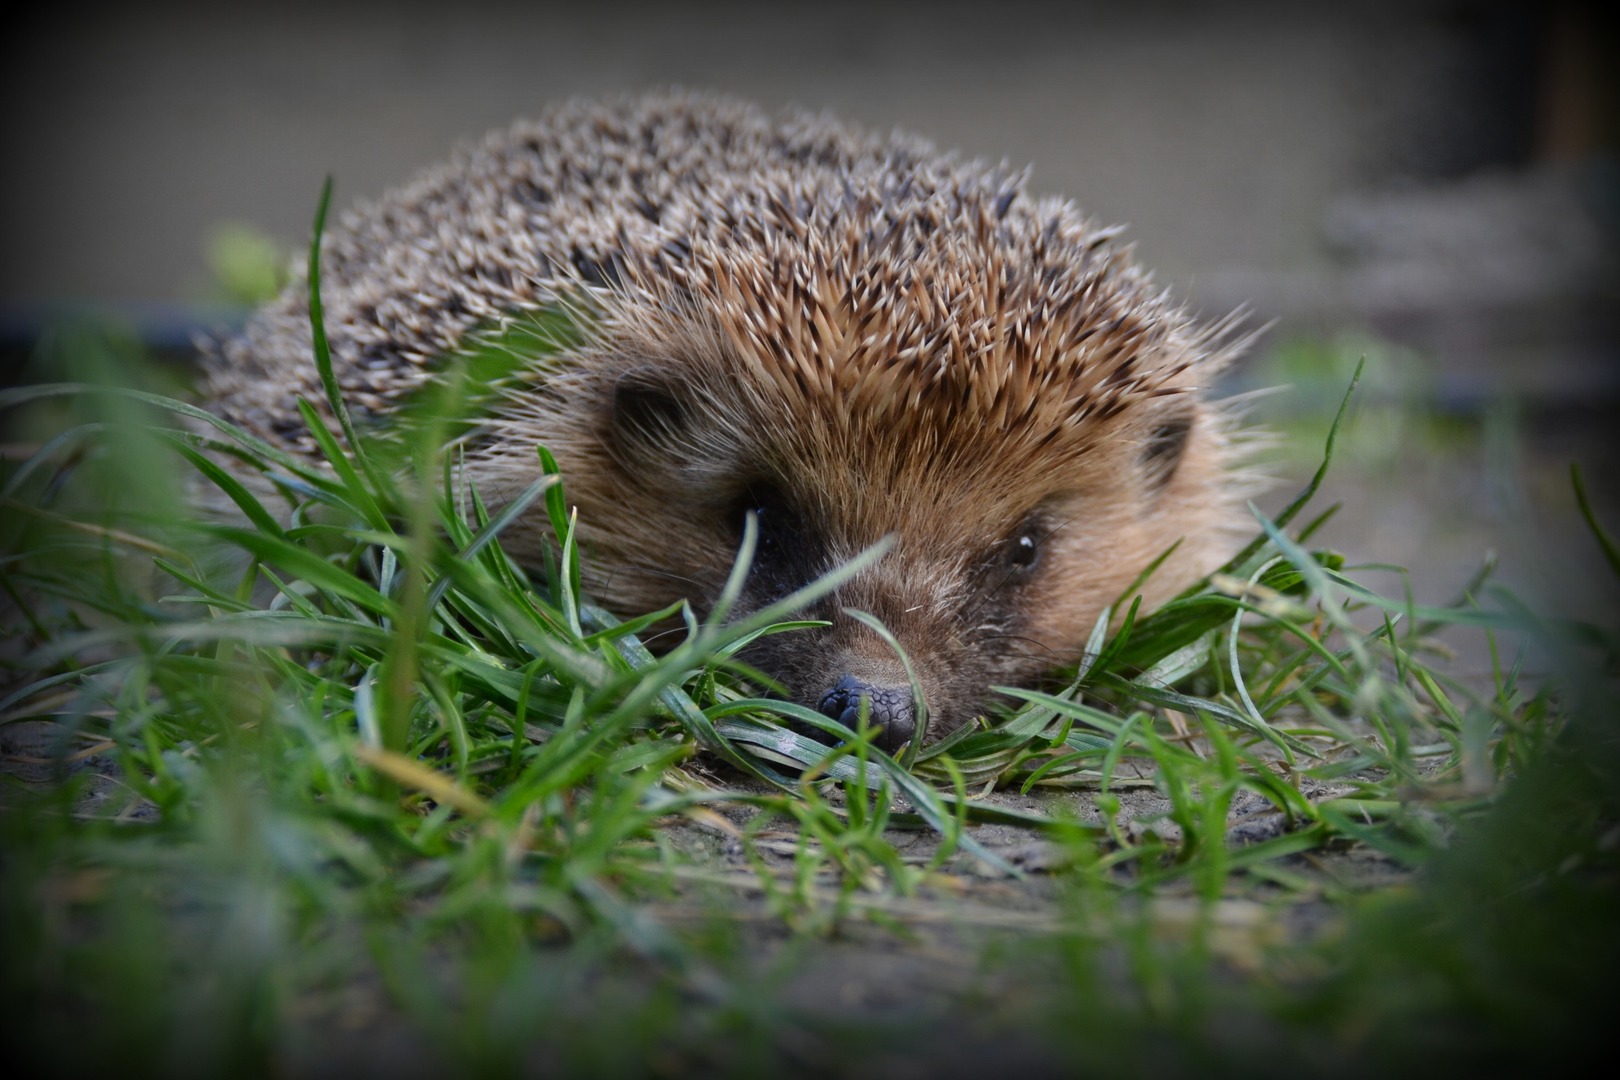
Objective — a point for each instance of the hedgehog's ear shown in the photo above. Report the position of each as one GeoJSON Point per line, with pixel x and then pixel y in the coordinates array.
{"type": "Point", "coordinates": [649, 416]}
{"type": "Point", "coordinates": [1167, 443]}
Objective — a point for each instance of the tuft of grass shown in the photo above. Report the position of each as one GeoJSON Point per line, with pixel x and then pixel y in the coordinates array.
{"type": "Point", "coordinates": [336, 768]}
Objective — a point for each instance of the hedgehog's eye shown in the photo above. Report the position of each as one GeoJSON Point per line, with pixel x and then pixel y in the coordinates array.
{"type": "Point", "coordinates": [788, 553]}
{"type": "Point", "coordinates": [1024, 553]}
{"type": "Point", "coordinates": [779, 527]}
{"type": "Point", "coordinates": [765, 528]}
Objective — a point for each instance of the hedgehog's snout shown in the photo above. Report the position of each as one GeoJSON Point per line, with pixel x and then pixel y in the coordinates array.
{"type": "Point", "coordinates": [889, 708]}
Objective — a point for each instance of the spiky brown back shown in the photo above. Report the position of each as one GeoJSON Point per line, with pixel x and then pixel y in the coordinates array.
{"type": "Point", "coordinates": [872, 270]}
{"type": "Point", "coordinates": [894, 340]}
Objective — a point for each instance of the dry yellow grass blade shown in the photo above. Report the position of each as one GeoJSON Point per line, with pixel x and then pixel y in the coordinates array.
{"type": "Point", "coordinates": [411, 773]}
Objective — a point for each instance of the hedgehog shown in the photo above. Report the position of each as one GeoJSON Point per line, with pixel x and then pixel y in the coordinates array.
{"type": "Point", "coordinates": [844, 335]}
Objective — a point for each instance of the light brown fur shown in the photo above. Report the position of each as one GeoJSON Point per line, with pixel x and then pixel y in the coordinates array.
{"type": "Point", "coordinates": [857, 335]}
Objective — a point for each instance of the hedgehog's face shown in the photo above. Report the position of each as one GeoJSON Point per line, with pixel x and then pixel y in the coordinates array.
{"type": "Point", "coordinates": [1003, 558]}
{"type": "Point", "coordinates": [994, 580]}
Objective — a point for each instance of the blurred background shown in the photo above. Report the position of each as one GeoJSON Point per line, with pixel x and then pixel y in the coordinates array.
{"type": "Point", "coordinates": [1431, 184]}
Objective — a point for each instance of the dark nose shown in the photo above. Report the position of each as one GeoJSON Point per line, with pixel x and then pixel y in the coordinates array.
{"type": "Point", "coordinates": [888, 708]}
